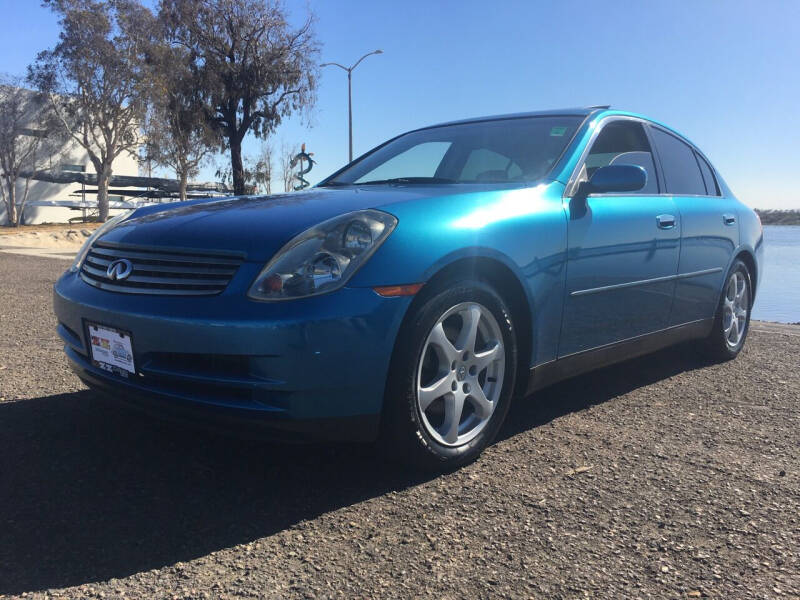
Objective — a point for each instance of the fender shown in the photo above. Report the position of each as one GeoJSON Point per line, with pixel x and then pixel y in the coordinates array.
{"type": "Point", "coordinates": [523, 228]}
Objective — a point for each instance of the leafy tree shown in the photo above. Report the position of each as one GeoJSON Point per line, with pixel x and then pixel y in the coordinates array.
{"type": "Point", "coordinates": [93, 78]}
{"type": "Point", "coordinates": [177, 134]}
{"type": "Point", "coordinates": [27, 141]}
{"type": "Point", "coordinates": [254, 69]}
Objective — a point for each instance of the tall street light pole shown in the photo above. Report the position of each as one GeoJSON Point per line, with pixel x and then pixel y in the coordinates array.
{"type": "Point", "coordinates": [350, 93]}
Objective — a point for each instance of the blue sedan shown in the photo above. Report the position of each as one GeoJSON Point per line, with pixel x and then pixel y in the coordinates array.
{"type": "Point", "coordinates": [411, 295]}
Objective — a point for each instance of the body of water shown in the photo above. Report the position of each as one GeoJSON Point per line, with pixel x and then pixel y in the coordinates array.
{"type": "Point", "coordinates": [778, 295]}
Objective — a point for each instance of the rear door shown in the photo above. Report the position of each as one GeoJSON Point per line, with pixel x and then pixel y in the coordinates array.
{"type": "Point", "coordinates": [622, 248]}
{"type": "Point", "coordinates": [710, 232]}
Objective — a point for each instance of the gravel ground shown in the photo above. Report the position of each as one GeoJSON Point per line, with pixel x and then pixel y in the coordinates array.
{"type": "Point", "coordinates": [658, 478]}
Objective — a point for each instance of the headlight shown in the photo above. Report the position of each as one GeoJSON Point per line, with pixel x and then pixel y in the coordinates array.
{"type": "Point", "coordinates": [104, 228]}
{"type": "Point", "coordinates": [323, 258]}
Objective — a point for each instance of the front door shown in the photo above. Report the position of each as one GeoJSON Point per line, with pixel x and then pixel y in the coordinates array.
{"type": "Point", "coordinates": [623, 249]}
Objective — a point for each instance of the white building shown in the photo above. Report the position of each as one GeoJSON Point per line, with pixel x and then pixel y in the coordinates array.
{"type": "Point", "coordinates": [58, 202]}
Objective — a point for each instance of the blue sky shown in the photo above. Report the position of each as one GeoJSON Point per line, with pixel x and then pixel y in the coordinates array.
{"type": "Point", "coordinates": [724, 73]}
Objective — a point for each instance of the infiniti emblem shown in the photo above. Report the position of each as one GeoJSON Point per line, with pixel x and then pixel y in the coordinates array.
{"type": "Point", "coordinates": [119, 269]}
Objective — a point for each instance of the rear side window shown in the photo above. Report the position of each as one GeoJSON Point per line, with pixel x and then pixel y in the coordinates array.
{"type": "Point", "coordinates": [708, 176]}
{"type": "Point", "coordinates": [622, 143]}
{"type": "Point", "coordinates": [681, 171]}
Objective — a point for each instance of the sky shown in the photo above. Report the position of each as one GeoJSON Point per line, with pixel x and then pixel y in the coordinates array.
{"type": "Point", "coordinates": [725, 73]}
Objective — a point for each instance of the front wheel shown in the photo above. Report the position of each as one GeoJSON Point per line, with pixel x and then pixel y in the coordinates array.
{"type": "Point", "coordinates": [452, 377]}
{"type": "Point", "coordinates": [732, 320]}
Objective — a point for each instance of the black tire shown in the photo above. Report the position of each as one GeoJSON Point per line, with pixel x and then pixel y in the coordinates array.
{"type": "Point", "coordinates": [717, 347]}
{"type": "Point", "coordinates": [404, 435]}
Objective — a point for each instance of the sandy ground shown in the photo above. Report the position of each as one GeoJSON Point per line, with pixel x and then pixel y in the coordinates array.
{"type": "Point", "coordinates": [663, 477]}
{"type": "Point", "coordinates": [49, 241]}
{"type": "Point", "coordinates": [54, 237]}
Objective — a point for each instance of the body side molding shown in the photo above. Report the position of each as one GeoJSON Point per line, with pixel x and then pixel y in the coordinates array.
{"type": "Point", "coordinates": [619, 286]}
{"type": "Point", "coordinates": [572, 365]}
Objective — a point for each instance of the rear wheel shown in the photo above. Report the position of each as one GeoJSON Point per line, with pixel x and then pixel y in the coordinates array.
{"type": "Point", "coordinates": [732, 320]}
{"type": "Point", "coordinates": [452, 377]}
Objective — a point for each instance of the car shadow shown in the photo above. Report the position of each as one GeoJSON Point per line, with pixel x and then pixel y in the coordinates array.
{"type": "Point", "coordinates": [91, 491]}
{"type": "Point", "coordinates": [596, 387]}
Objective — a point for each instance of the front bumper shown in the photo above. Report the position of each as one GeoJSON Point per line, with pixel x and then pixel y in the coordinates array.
{"type": "Point", "coordinates": [311, 366]}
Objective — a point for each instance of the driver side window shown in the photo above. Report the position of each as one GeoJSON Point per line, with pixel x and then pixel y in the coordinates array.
{"type": "Point", "coordinates": [622, 143]}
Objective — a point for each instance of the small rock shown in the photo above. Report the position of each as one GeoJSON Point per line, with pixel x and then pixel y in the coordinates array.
{"type": "Point", "coordinates": [579, 470]}
{"type": "Point", "coordinates": [665, 569]}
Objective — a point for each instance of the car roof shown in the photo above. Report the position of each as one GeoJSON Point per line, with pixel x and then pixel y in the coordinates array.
{"type": "Point", "coordinates": [571, 112]}
{"type": "Point", "coordinates": [595, 112]}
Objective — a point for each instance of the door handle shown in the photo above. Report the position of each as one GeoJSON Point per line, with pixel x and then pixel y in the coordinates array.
{"type": "Point", "coordinates": [729, 219]}
{"type": "Point", "coordinates": [665, 221]}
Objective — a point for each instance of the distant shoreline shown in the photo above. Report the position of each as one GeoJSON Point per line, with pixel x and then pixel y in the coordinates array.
{"type": "Point", "coordinates": [778, 217]}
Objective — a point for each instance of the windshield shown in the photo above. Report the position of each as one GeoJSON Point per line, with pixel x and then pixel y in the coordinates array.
{"type": "Point", "coordinates": [508, 150]}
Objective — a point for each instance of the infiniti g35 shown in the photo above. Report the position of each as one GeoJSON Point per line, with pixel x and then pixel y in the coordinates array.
{"type": "Point", "coordinates": [412, 294]}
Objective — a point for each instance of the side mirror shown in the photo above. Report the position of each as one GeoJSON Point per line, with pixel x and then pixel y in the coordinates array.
{"type": "Point", "coordinates": [616, 178]}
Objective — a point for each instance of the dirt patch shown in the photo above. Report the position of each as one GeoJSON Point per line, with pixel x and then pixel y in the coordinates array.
{"type": "Point", "coordinates": [662, 477]}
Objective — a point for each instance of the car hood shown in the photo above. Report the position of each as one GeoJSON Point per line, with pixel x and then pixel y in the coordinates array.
{"type": "Point", "coordinates": [260, 225]}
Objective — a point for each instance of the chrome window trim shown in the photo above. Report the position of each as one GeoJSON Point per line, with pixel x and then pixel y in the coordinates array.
{"type": "Point", "coordinates": [569, 192]}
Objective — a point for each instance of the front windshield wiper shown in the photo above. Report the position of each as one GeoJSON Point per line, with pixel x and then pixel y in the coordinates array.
{"type": "Point", "coordinates": [334, 184]}
{"type": "Point", "coordinates": [407, 180]}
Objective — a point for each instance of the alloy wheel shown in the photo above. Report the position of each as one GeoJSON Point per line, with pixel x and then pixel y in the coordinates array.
{"type": "Point", "coordinates": [460, 374]}
{"type": "Point", "coordinates": [734, 309]}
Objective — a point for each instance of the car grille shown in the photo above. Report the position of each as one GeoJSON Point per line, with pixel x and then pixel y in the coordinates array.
{"type": "Point", "coordinates": [161, 271]}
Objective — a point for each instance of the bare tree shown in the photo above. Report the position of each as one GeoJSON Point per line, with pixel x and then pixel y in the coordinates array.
{"type": "Point", "coordinates": [177, 134]}
{"type": "Point", "coordinates": [92, 78]}
{"type": "Point", "coordinates": [262, 169]}
{"type": "Point", "coordinates": [287, 169]}
{"type": "Point", "coordinates": [27, 141]}
{"type": "Point", "coordinates": [254, 68]}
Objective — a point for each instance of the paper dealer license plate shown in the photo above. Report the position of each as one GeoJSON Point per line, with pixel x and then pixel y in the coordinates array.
{"type": "Point", "coordinates": [111, 349]}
